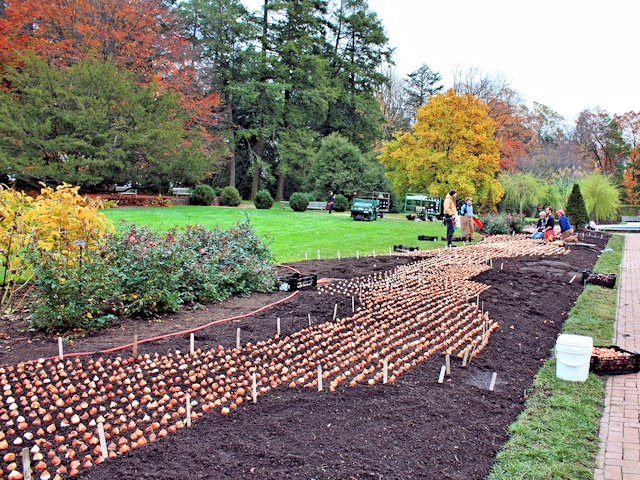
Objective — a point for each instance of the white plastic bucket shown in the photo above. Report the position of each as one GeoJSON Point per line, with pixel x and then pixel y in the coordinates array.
{"type": "Point", "coordinates": [573, 354]}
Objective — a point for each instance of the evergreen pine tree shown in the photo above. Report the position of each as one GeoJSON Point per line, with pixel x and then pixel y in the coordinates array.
{"type": "Point", "coordinates": [576, 209]}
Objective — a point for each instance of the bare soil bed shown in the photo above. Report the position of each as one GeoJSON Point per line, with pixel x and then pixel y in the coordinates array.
{"type": "Point", "coordinates": [412, 428]}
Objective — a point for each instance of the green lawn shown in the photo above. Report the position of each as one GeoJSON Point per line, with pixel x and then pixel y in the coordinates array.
{"type": "Point", "coordinates": [296, 235]}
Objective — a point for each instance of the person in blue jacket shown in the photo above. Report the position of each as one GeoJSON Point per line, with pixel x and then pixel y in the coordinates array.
{"type": "Point", "coordinates": [566, 230]}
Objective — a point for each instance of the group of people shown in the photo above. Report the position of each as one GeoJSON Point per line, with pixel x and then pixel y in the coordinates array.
{"type": "Point", "coordinates": [545, 228]}
{"type": "Point", "coordinates": [467, 222]}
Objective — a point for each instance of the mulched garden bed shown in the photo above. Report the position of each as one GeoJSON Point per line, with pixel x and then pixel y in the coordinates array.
{"type": "Point", "coordinates": [412, 428]}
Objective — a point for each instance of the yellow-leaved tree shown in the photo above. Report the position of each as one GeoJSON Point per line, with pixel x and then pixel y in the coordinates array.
{"type": "Point", "coordinates": [453, 145]}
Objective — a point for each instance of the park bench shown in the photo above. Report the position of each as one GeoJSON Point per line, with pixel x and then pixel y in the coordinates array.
{"type": "Point", "coordinates": [125, 190]}
{"type": "Point", "coordinates": [181, 192]}
{"type": "Point", "coordinates": [284, 205]}
{"type": "Point", "coordinates": [317, 206]}
{"type": "Point", "coordinates": [633, 218]}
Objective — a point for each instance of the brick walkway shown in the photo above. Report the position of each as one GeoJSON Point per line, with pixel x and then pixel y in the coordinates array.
{"type": "Point", "coordinates": [619, 456]}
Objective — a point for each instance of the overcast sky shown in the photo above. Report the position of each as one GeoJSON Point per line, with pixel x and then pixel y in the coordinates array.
{"type": "Point", "coordinates": [567, 54]}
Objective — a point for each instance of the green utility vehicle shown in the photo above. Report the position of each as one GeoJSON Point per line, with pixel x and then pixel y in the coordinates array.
{"type": "Point", "coordinates": [370, 205]}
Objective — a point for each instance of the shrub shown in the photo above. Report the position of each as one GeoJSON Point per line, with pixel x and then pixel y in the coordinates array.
{"type": "Point", "coordinates": [263, 200]}
{"type": "Point", "coordinates": [502, 224]}
{"type": "Point", "coordinates": [298, 202]}
{"type": "Point", "coordinates": [340, 203]}
{"type": "Point", "coordinates": [230, 197]}
{"type": "Point", "coordinates": [202, 195]}
{"type": "Point", "coordinates": [576, 209]}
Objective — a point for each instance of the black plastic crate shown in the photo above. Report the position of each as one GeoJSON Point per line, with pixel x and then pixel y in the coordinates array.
{"type": "Point", "coordinates": [603, 279]}
{"type": "Point", "coordinates": [427, 238]}
{"type": "Point", "coordinates": [297, 281]}
{"type": "Point", "coordinates": [403, 248]}
{"type": "Point", "coordinates": [628, 362]}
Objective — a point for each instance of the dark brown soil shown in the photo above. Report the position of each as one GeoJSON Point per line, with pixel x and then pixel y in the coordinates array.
{"type": "Point", "coordinates": [413, 428]}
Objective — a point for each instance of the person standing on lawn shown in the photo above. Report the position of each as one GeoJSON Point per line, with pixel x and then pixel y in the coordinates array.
{"type": "Point", "coordinates": [466, 219]}
{"type": "Point", "coordinates": [450, 212]}
{"type": "Point", "coordinates": [330, 202]}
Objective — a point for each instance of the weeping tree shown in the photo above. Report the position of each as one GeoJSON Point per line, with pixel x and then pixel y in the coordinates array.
{"type": "Point", "coordinates": [521, 190]}
{"type": "Point", "coordinates": [601, 196]}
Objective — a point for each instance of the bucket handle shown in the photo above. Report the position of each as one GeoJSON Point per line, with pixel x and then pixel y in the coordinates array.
{"type": "Point", "coordinates": [575, 364]}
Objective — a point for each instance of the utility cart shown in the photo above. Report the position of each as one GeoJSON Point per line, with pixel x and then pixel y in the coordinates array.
{"type": "Point", "coordinates": [370, 205]}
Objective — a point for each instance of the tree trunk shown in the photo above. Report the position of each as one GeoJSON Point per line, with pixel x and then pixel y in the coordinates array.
{"type": "Point", "coordinates": [257, 170]}
{"type": "Point", "coordinates": [280, 189]}
{"type": "Point", "coordinates": [232, 144]}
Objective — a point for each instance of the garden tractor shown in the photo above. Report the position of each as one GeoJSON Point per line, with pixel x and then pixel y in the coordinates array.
{"type": "Point", "coordinates": [370, 205]}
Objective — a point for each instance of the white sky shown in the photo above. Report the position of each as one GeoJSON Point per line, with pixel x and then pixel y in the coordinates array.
{"type": "Point", "coordinates": [567, 54]}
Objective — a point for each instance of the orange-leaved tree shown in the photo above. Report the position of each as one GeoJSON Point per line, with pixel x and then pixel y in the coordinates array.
{"type": "Point", "coordinates": [140, 36]}
{"type": "Point", "coordinates": [453, 145]}
{"type": "Point", "coordinates": [630, 125]}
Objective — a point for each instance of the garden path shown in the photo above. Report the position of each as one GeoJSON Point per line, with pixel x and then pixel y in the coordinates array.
{"type": "Point", "coordinates": [619, 457]}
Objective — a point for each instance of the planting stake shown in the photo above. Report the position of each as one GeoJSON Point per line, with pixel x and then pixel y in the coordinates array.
{"type": "Point", "coordinates": [374, 254]}
{"type": "Point", "coordinates": [501, 265]}
{"type": "Point", "coordinates": [319, 378]}
{"type": "Point", "coordinates": [477, 299]}
{"type": "Point", "coordinates": [60, 349]}
{"type": "Point", "coordinates": [103, 441]}
{"type": "Point", "coordinates": [491, 262]}
{"type": "Point", "coordinates": [385, 371]}
{"type": "Point", "coordinates": [493, 381]}
{"type": "Point", "coordinates": [357, 254]}
{"type": "Point", "coordinates": [135, 346]}
{"type": "Point", "coordinates": [389, 250]}
{"type": "Point", "coordinates": [318, 254]}
{"type": "Point", "coordinates": [278, 325]}
{"type": "Point", "coordinates": [192, 341]}
{"type": "Point", "coordinates": [306, 256]}
{"type": "Point", "coordinates": [353, 303]}
{"type": "Point", "coordinates": [447, 363]}
{"type": "Point", "coordinates": [338, 254]}
{"type": "Point", "coordinates": [466, 358]}
{"type": "Point", "coordinates": [26, 464]}
{"type": "Point", "coordinates": [335, 311]}
{"type": "Point", "coordinates": [238, 338]}
{"type": "Point", "coordinates": [309, 316]}
{"type": "Point", "coordinates": [442, 372]}
{"type": "Point", "coordinates": [254, 388]}
{"type": "Point", "coordinates": [572, 279]}
{"type": "Point", "coordinates": [188, 410]}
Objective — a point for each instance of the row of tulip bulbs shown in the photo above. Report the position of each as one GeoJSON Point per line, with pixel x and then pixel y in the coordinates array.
{"type": "Point", "coordinates": [55, 408]}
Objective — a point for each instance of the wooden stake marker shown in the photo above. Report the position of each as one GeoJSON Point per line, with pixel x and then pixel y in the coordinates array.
{"type": "Point", "coordinates": [309, 317]}
{"type": "Point", "coordinates": [306, 256]}
{"type": "Point", "coordinates": [447, 363]}
{"type": "Point", "coordinates": [192, 342]}
{"type": "Point", "coordinates": [385, 371]}
{"type": "Point", "coordinates": [572, 279]}
{"type": "Point", "coordinates": [318, 254]}
{"type": "Point", "coordinates": [254, 388]}
{"type": "Point", "coordinates": [60, 349]}
{"type": "Point", "coordinates": [26, 464]}
{"type": "Point", "coordinates": [319, 378]}
{"type": "Point", "coordinates": [442, 372]}
{"type": "Point", "coordinates": [338, 254]}
{"type": "Point", "coordinates": [188, 410]}
{"type": "Point", "coordinates": [103, 441]}
{"type": "Point", "coordinates": [135, 346]}
{"type": "Point", "coordinates": [238, 338]}
{"type": "Point", "coordinates": [493, 381]}
{"type": "Point", "coordinates": [374, 254]}
{"type": "Point", "coordinates": [278, 325]}
{"type": "Point", "coordinates": [466, 358]}
{"type": "Point", "coordinates": [357, 254]}
{"type": "Point", "coordinates": [353, 303]}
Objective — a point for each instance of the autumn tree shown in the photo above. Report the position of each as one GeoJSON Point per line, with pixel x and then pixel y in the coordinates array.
{"type": "Point", "coordinates": [600, 140]}
{"type": "Point", "coordinates": [630, 126]}
{"type": "Point", "coordinates": [505, 106]}
{"type": "Point", "coordinates": [93, 126]}
{"type": "Point", "coordinates": [453, 145]}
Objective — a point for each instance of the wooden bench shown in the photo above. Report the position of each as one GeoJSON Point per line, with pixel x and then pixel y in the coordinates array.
{"type": "Point", "coordinates": [124, 190]}
{"type": "Point", "coordinates": [284, 205]}
{"type": "Point", "coordinates": [181, 192]}
{"type": "Point", "coordinates": [633, 218]}
{"type": "Point", "coordinates": [317, 206]}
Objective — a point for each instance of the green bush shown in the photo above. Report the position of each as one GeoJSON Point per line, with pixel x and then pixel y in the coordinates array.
{"type": "Point", "coordinates": [340, 203]}
{"type": "Point", "coordinates": [576, 209]}
{"type": "Point", "coordinates": [230, 197]}
{"type": "Point", "coordinates": [502, 223]}
{"type": "Point", "coordinates": [263, 200]}
{"type": "Point", "coordinates": [298, 201]}
{"type": "Point", "coordinates": [202, 195]}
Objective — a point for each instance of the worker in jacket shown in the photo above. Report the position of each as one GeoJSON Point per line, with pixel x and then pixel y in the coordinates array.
{"type": "Point", "coordinates": [450, 212]}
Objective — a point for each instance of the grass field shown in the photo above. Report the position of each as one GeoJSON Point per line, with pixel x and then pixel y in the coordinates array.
{"type": "Point", "coordinates": [293, 235]}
